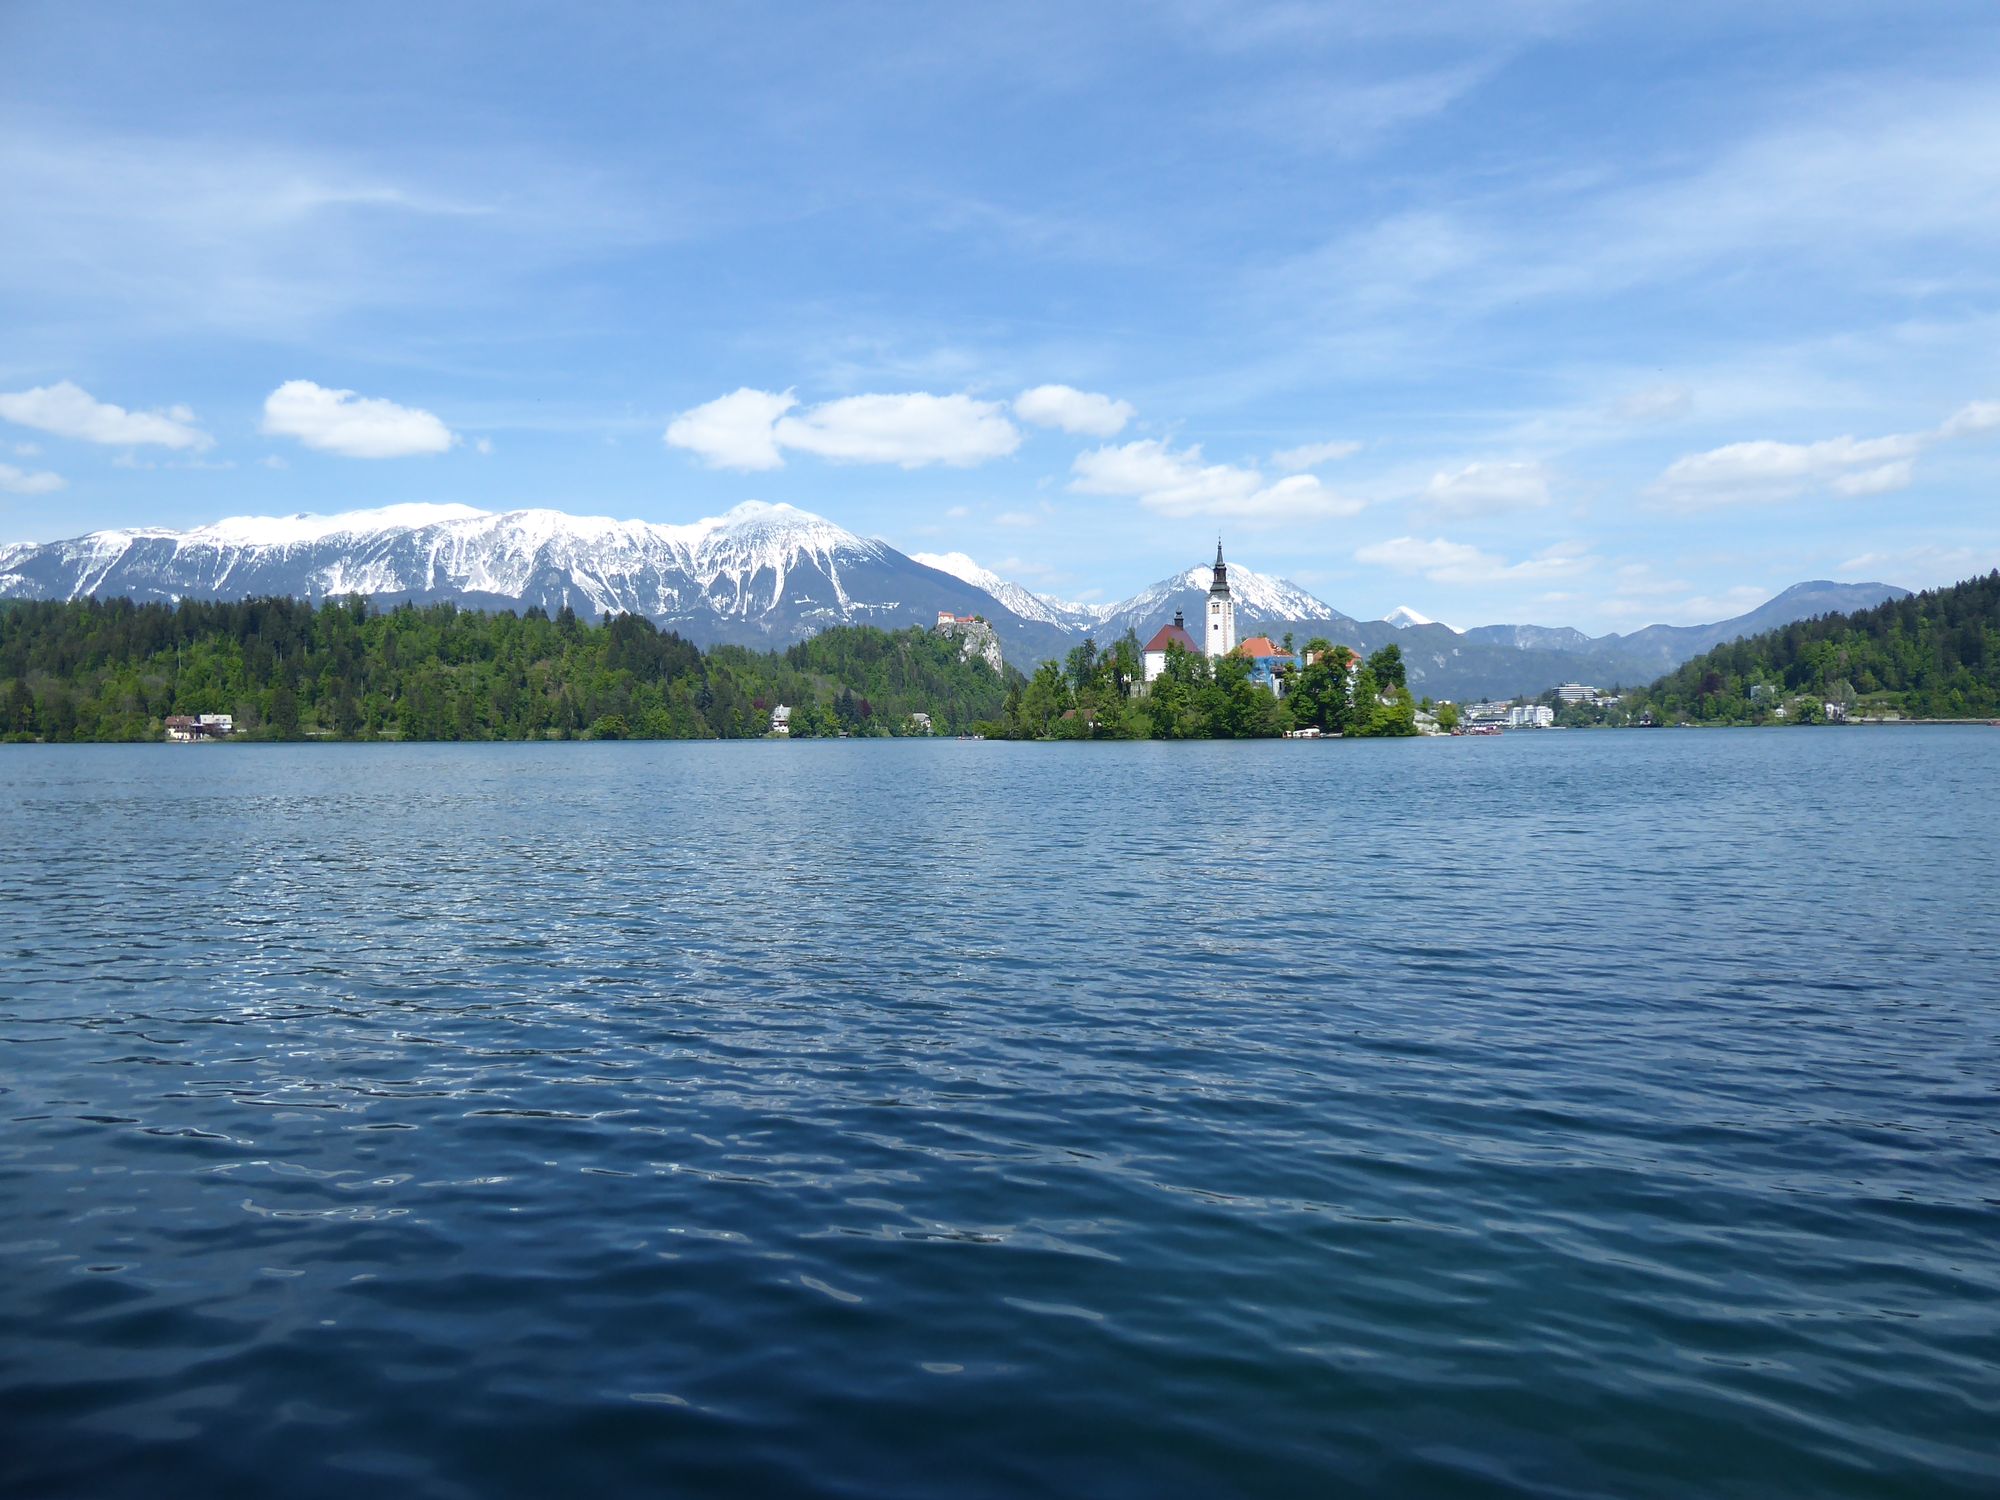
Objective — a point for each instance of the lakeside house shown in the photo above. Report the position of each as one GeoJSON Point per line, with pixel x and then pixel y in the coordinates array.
{"type": "Point", "coordinates": [186, 729]}
{"type": "Point", "coordinates": [781, 721]}
{"type": "Point", "coordinates": [1269, 662]}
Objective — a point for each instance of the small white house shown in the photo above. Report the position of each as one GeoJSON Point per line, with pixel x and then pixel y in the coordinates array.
{"type": "Point", "coordinates": [781, 721]}
{"type": "Point", "coordinates": [1156, 649]}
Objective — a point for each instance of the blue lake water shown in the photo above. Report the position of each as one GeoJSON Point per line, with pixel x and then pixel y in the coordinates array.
{"type": "Point", "coordinates": [1565, 1114]}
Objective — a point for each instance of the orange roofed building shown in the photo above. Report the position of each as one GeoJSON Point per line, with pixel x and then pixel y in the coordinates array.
{"type": "Point", "coordinates": [1267, 658]}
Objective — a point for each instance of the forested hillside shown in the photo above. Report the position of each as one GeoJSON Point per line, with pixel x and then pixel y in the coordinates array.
{"type": "Point", "coordinates": [1933, 655]}
{"type": "Point", "coordinates": [111, 669]}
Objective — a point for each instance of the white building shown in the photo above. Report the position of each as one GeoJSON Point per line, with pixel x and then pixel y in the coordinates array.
{"type": "Point", "coordinates": [1166, 635]}
{"type": "Point", "coordinates": [1576, 692]}
{"type": "Point", "coordinates": [1531, 716]}
{"type": "Point", "coordinates": [1221, 610]}
{"type": "Point", "coordinates": [781, 721]}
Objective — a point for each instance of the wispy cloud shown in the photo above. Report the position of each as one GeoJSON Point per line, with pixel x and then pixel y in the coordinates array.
{"type": "Point", "coordinates": [1489, 487]}
{"type": "Point", "coordinates": [1765, 471]}
{"type": "Point", "coordinates": [17, 481]}
{"type": "Point", "coordinates": [1311, 455]}
{"type": "Point", "coordinates": [1181, 485]}
{"type": "Point", "coordinates": [1444, 561]}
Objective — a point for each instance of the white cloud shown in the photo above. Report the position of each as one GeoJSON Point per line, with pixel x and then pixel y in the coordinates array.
{"type": "Point", "coordinates": [28, 450]}
{"type": "Point", "coordinates": [273, 461]}
{"type": "Point", "coordinates": [734, 431]}
{"type": "Point", "coordinates": [484, 446]}
{"type": "Point", "coordinates": [1765, 471]}
{"type": "Point", "coordinates": [1443, 561]}
{"type": "Point", "coordinates": [1311, 455]}
{"type": "Point", "coordinates": [20, 482]}
{"type": "Point", "coordinates": [1972, 419]}
{"type": "Point", "coordinates": [958, 512]}
{"type": "Point", "coordinates": [350, 425]}
{"type": "Point", "coordinates": [1489, 487]}
{"type": "Point", "coordinates": [1883, 479]}
{"type": "Point", "coordinates": [67, 410]}
{"type": "Point", "coordinates": [1017, 518]}
{"type": "Point", "coordinates": [912, 430]}
{"type": "Point", "coordinates": [1082, 412]}
{"type": "Point", "coordinates": [1182, 486]}
{"type": "Point", "coordinates": [749, 429]}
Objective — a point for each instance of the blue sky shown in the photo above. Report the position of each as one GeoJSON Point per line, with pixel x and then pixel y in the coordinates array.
{"type": "Point", "coordinates": [1575, 313]}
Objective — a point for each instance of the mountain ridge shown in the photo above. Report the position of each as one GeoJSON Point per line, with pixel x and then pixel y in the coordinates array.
{"type": "Point", "coordinates": [764, 574]}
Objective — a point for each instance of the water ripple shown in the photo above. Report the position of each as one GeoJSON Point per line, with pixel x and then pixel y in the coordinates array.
{"type": "Point", "coordinates": [1569, 1116]}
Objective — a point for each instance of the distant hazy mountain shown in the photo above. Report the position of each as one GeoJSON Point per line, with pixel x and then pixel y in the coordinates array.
{"type": "Point", "coordinates": [1530, 637]}
{"type": "Point", "coordinates": [1661, 647]}
{"type": "Point", "coordinates": [768, 575]}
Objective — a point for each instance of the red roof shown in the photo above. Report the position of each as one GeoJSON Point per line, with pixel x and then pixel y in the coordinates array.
{"type": "Point", "coordinates": [1170, 633]}
{"type": "Point", "coordinates": [1259, 646]}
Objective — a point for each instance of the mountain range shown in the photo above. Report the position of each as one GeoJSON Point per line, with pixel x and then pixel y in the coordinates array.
{"type": "Point", "coordinates": [767, 575]}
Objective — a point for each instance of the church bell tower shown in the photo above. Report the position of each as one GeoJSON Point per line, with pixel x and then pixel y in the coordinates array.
{"type": "Point", "coordinates": [1221, 610]}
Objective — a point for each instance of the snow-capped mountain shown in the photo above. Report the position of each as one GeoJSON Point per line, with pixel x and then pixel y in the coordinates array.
{"type": "Point", "coordinates": [757, 575]}
{"type": "Point", "coordinates": [1402, 615]}
{"type": "Point", "coordinates": [1028, 605]}
{"type": "Point", "coordinates": [1260, 600]}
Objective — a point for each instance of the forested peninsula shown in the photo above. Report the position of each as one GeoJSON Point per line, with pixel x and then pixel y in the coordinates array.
{"type": "Point", "coordinates": [1934, 655]}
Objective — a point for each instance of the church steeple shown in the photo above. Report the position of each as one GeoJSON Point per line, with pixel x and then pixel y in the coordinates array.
{"type": "Point", "coordinates": [1221, 609]}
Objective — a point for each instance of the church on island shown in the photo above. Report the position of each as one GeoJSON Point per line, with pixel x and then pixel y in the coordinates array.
{"type": "Point", "coordinates": [1264, 654]}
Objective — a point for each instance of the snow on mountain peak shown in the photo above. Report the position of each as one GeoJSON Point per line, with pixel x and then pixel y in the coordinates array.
{"type": "Point", "coordinates": [1402, 617]}
{"type": "Point", "coordinates": [960, 567]}
{"type": "Point", "coordinates": [1257, 594]}
{"type": "Point", "coordinates": [1023, 602]}
{"type": "Point", "coordinates": [297, 530]}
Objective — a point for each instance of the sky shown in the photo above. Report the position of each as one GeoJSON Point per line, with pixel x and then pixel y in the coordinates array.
{"type": "Point", "coordinates": [1585, 314]}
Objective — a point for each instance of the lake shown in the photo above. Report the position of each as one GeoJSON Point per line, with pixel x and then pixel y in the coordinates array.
{"type": "Point", "coordinates": [1570, 1114]}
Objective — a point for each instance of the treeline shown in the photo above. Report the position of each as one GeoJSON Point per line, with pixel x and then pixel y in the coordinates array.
{"type": "Point", "coordinates": [1934, 655]}
{"type": "Point", "coordinates": [1102, 694]}
{"type": "Point", "coordinates": [112, 669]}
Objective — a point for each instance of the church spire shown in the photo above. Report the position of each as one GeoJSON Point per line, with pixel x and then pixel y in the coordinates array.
{"type": "Point", "coordinates": [1221, 610]}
